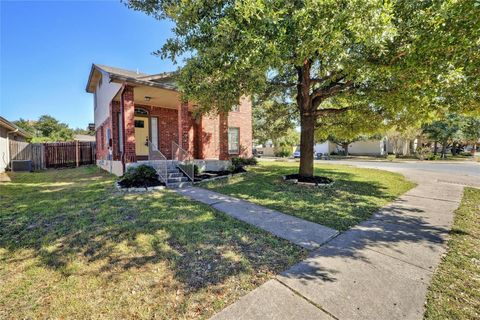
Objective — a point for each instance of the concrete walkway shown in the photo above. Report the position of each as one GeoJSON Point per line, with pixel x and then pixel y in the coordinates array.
{"type": "Point", "coordinates": [379, 269]}
{"type": "Point", "coordinates": [303, 233]}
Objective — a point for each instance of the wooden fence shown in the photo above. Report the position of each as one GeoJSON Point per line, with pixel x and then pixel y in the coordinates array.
{"type": "Point", "coordinates": [53, 155]}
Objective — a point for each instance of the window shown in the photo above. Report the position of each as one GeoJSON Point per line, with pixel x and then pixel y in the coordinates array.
{"type": "Point", "coordinates": [233, 140]}
{"type": "Point", "coordinates": [141, 111]}
{"type": "Point", "coordinates": [120, 131]}
{"type": "Point", "coordinates": [236, 108]}
{"type": "Point", "coordinates": [139, 124]}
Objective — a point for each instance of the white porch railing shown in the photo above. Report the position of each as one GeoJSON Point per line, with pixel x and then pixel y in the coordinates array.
{"type": "Point", "coordinates": [184, 160]}
{"type": "Point", "coordinates": [158, 161]}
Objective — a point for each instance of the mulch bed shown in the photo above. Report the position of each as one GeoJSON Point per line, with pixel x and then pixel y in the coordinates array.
{"type": "Point", "coordinates": [315, 180]}
{"type": "Point", "coordinates": [213, 174]}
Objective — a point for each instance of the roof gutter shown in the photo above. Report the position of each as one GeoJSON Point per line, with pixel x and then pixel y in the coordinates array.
{"type": "Point", "coordinates": [122, 79]}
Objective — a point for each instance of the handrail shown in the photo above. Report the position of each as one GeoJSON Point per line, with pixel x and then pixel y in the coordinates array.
{"type": "Point", "coordinates": [158, 161]}
{"type": "Point", "coordinates": [185, 160]}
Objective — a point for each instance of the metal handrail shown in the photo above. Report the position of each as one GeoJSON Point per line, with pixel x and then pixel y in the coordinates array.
{"type": "Point", "coordinates": [158, 161]}
{"type": "Point", "coordinates": [184, 159]}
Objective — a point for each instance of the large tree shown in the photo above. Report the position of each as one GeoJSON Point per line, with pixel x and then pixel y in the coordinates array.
{"type": "Point", "coordinates": [312, 50]}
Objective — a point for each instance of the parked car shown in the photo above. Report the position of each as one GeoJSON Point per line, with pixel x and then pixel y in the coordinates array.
{"type": "Point", "coordinates": [296, 154]}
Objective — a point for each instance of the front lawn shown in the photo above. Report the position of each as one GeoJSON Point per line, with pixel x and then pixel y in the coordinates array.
{"type": "Point", "coordinates": [71, 246]}
{"type": "Point", "coordinates": [355, 195]}
{"type": "Point", "coordinates": [455, 289]}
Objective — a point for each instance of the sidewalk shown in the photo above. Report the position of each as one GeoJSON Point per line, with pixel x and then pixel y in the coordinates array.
{"type": "Point", "coordinates": [379, 269]}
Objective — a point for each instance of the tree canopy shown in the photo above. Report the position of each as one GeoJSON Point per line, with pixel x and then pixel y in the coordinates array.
{"type": "Point", "coordinates": [46, 129]}
{"type": "Point", "coordinates": [378, 55]}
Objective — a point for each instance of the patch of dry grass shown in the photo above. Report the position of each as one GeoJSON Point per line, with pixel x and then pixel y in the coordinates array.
{"type": "Point", "coordinates": [71, 246]}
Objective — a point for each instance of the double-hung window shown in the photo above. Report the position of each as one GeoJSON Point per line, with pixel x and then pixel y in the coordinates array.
{"type": "Point", "coordinates": [233, 140]}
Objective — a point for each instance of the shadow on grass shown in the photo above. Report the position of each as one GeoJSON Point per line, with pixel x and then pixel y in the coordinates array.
{"type": "Point", "coordinates": [352, 199]}
{"type": "Point", "coordinates": [89, 221]}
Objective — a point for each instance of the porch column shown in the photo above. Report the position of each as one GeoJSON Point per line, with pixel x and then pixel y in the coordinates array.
{"type": "Point", "coordinates": [223, 136]}
{"type": "Point", "coordinates": [129, 124]}
{"type": "Point", "coordinates": [114, 110]}
{"type": "Point", "coordinates": [183, 126]}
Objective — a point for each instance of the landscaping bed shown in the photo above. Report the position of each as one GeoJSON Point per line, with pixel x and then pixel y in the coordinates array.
{"type": "Point", "coordinates": [355, 195]}
{"type": "Point", "coordinates": [313, 181]}
{"type": "Point", "coordinates": [71, 246]}
{"type": "Point", "coordinates": [209, 175]}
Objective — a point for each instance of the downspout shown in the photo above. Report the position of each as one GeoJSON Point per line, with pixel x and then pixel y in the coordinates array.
{"type": "Point", "coordinates": [122, 153]}
{"type": "Point", "coordinates": [8, 147]}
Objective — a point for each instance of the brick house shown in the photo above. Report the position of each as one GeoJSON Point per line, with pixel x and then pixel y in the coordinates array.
{"type": "Point", "coordinates": [135, 112]}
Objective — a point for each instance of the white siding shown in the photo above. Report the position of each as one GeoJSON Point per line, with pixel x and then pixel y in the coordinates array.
{"type": "Point", "coordinates": [326, 147]}
{"type": "Point", "coordinates": [369, 147]}
{"type": "Point", "coordinates": [104, 93]}
{"type": "Point", "coordinates": [3, 149]}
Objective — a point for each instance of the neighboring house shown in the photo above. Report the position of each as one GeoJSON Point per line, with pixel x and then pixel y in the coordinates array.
{"type": "Point", "coordinates": [84, 138]}
{"type": "Point", "coordinates": [135, 112]}
{"type": "Point", "coordinates": [9, 131]}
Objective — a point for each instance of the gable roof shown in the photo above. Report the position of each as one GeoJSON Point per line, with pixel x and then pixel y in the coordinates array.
{"type": "Point", "coordinates": [162, 80]}
{"type": "Point", "coordinates": [13, 127]}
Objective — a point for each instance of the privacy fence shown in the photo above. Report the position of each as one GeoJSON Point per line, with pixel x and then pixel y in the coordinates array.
{"type": "Point", "coordinates": [53, 155]}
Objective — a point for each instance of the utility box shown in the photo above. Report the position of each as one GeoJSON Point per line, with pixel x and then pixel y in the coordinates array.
{"type": "Point", "coordinates": [21, 165]}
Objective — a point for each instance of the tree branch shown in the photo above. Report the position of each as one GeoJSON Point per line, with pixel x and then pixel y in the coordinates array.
{"type": "Point", "coordinates": [329, 111]}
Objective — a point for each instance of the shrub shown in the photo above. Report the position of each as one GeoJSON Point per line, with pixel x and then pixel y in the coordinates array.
{"type": "Point", "coordinates": [238, 164]}
{"type": "Point", "coordinates": [391, 157]}
{"type": "Point", "coordinates": [283, 153]}
{"type": "Point", "coordinates": [139, 176]}
{"type": "Point", "coordinates": [434, 157]}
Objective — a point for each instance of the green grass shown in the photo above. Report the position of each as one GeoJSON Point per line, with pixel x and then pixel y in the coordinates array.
{"type": "Point", "coordinates": [454, 292]}
{"type": "Point", "coordinates": [72, 246]}
{"type": "Point", "coordinates": [355, 195]}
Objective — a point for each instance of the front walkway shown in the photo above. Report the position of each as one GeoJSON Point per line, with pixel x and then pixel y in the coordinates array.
{"type": "Point", "coordinates": [379, 269]}
{"type": "Point", "coordinates": [303, 233]}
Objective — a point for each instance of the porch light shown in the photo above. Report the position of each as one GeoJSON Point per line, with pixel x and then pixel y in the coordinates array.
{"type": "Point", "coordinates": [147, 98]}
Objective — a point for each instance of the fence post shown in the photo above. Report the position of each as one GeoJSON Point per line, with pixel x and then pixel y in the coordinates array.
{"type": "Point", "coordinates": [76, 152]}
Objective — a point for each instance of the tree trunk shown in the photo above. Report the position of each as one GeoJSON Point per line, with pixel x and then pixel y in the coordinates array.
{"type": "Point", "coordinates": [435, 145]}
{"type": "Point", "coordinates": [444, 150]}
{"type": "Point", "coordinates": [307, 119]}
{"type": "Point", "coordinates": [345, 148]}
{"type": "Point", "coordinates": [307, 142]}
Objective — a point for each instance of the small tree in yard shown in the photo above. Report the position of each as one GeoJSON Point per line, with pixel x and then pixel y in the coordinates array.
{"type": "Point", "coordinates": [312, 51]}
{"type": "Point", "coordinates": [445, 131]}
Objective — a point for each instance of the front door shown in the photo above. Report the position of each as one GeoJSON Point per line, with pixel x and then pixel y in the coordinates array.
{"type": "Point", "coordinates": [141, 136]}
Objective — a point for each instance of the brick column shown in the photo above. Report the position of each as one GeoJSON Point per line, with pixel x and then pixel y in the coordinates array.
{"type": "Point", "coordinates": [114, 110]}
{"type": "Point", "coordinates": [223, 136]}
{"type": "Point", "coordinates": [129, 124]}
{"type": "Point", "coordinates": [183, 126]}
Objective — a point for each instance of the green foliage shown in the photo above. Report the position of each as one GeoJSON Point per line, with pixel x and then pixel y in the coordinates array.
{"type": "Point", "coordinates": [25, 125]}
{"type": "Point", "coordinates": [283, 153]}
{"type": "Point", "coordinates": [139, 176]}
{"type": "Point", "coordinates": [403, 61]}
{"type": "Point", "coordinates": [273, 119]}
{"type": "Point", "coordinates": [239, 163]}
{"type": "Point", "coordinates": [46, 129]}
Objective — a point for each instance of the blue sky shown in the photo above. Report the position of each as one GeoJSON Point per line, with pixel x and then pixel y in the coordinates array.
{"type": "Point", "coordinates": [47, 49]}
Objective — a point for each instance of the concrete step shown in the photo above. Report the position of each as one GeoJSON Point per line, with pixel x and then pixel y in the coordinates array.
{"type": "Point", "coordinates": [177, 185]}
{"type": "Point", "coordinates": [175, 175]}
{"type": "Point", "coordinates": [177, 179]}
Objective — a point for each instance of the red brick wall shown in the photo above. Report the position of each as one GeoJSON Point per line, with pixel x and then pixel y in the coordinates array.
{"type": "Point", "coordinates": [129, 117]}
{"type": "Point", "coordinates": [208, 138]}
{"type": "Point", "coordinates": [241, 119]}
{"type": "Point", "coordinates": [114, 110]}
